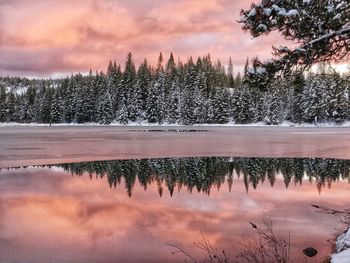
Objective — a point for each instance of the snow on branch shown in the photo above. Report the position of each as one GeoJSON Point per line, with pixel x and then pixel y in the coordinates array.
{"type": "Point", "coordinates": [322, 29]}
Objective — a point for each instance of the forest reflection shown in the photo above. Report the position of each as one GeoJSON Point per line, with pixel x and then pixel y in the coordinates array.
{"type": "Point", "coordinates": [204, 174]}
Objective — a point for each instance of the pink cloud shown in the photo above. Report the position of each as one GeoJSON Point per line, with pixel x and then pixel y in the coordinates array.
{"type": "Point", "coordinates": [45, 37]}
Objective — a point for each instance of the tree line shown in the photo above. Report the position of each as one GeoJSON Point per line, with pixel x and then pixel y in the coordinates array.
{"type": "Point", "coordinates": [175, 92]}
{"type": "Point", "coordinates": [202, 174]}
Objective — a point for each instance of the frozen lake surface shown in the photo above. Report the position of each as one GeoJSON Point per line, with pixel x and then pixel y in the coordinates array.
{"type": "Point", "coordinates": [45, 145]}
{"type": "Point", "coordinates": [130, 209]}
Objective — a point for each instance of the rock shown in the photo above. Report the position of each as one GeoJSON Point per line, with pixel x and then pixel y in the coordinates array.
{"type": "Point", "coordinates": [310, 252]}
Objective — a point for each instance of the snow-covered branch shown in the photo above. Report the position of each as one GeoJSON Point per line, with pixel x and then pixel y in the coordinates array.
{"type": "Point", "coordinates": [321, 27]}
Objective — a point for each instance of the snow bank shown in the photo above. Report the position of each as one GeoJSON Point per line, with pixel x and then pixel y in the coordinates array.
{"type": "Point", "coordinates": [342, 257]}
{"type": "Point", "coordinates": [343, 248]}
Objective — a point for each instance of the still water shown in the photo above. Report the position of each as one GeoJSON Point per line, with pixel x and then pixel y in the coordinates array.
{"type": "Point", "coordinates": [136, 210]}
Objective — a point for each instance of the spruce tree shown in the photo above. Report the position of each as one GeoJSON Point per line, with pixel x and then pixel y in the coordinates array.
{"type": "Point", "coordinates": [144, 78]}
{"type": "Point", "coordinates": [221, 106]}
{"type": "Point", "coordinates": [56, 108]}
{"type": "Point", "coordinates": [126, 88]}
{"type": "Point", "coordinates": [3, 104]}
{"type": "Point", "coordinates": [10, 106]}
{"type": "Point", "coordinates": [273, 112]}
{"type": "Point", "coordinates": [105, 109]}
{"type": "Point", "coordinates": [231, 81]}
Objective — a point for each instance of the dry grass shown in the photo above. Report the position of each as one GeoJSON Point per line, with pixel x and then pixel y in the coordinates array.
{"type": "Point", "coordinates": [268, 247]}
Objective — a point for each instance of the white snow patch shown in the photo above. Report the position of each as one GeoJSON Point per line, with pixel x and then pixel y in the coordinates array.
{"type": "Point", "coordinates": [252, 12]}
{"type": "Point", "coordinates": [267, 11]}
{"type": "Point", "coordinates": [276, 8]}
{"type": "Point", "coordinates": [342, 257]}
{"type": "Point", "coordinates": [343, 248]}
{"type": "Point", "coordinates": [263, 27]}
{"type": "Point", "coordinates": [290, 13]}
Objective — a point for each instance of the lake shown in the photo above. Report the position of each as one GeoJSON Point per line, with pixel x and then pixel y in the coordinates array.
{"type": "Point", "coordinates": [137, 210]}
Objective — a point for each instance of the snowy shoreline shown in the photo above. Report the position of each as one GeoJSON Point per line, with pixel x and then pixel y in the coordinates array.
{"type": "Point", "coordinates": [146, 124]}
{"type": "Point", "coordinates": [342, 243]}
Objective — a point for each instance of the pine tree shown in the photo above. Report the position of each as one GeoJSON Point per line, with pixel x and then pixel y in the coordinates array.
{"type": "Point", "coordinates": [321, 28]}
{"type": "Point", "coordinates": [69, 108]}
{"type": "Point", "coordinates": [105, 109]}
{"type": "Point", "coordinates": [46, 106]}
{"type": "Point", "coordinates": [221, 106]}
{"type": "Point", "coordinates": [155, 111]}
{"type": "Point", "coordinates": [273, 112]}
{"type": "Point", "coordinates": [314, 101]}
{"type": "Point", "coordinates": [3, 104]}
{"type": "Point", "coordinates": [56, 108]}
{"type": "Point", "coordinates": [231, 81]}
{"type": "Point", "coordinates": [243, 106]}
{"type": "Point", "coordinates": [337, 92]}
{"type": "Point", "coordinates": [10, 107]}
{"type": "Point", "coordinates": [298, 84]}
{"type": "Point", "coordinates": [188, 105]}
{"type": "Point", "coordinates": [246, 68]}
{"type": "Point", "coordinates": [173, 103]}
{"type": "Point", "coordinates": [136, 103]}
{"type": "Point", "coordinates": [144, 79]}
{"type": "Point", "coordinates": [152, 110]}
{"type": "Point", "coordinates": [126, 88]}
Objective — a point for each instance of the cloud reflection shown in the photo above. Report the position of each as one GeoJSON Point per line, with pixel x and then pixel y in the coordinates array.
{"type": "Point", "coordinates": [50, 216]}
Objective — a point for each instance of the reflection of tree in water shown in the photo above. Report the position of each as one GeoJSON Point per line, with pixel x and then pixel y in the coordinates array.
{"type": "Point", "coordinates": [203, 174]}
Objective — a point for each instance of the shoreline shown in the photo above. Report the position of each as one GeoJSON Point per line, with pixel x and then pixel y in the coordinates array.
{"type": "Point", "coordinates": [175, 125]}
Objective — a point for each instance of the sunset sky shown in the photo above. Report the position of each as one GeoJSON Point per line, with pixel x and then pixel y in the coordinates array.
{"type": "Point", "coordinates": [52, 38]}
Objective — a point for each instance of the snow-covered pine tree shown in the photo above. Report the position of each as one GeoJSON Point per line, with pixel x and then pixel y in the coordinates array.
{"type": "Point", "coordinates": [173, 102]}
{"type": "Point", "coordinates": [144, 78]}
{"type": "Point", "coordinates": [136, 103]}
{"type": "Point", "coordinates": [231, 80]}
{"type": "Point", "coordinates": [243, 105]}
{"type": "Point", "coordinates": [188, 105]}
{"type": "Point", "coordinates": [314, 101]}
{"type": "Point", "coordinates": [209, 73]}
{"type": "Point", "coordinates": [155, 111]}
{"type": "Point", "coordinates": [30, 96]}
{"type": "Point", "coordinates": [152, 104]}
{"type": "Point", "coordinates": [337, 92]}
{"type": "Point", "coordinates": [46, 105]}
{"type": "Point", "coordinates": [21, 109]}
{"type": "Point", "coordinates": [298, 83]}
{"type": "Point", "coordinates": [273, 108]}
{"type": "Point", "coordinates": [105, 109]}
{"type": "Point", "coordinates": [3, 104]}
{"type": "Point", "coordinates": [221, 105]}
{"type": "Point", "coordinates": [199, 91]}
{"type": "Point", "coordinates": [81, 107]}
{"type": "Point", "coordinates": [90, 100]}
{"type": "Point", "coordinates": [220, 75]}
{"type": "Point", "coordinates": [114, 78]}
{"type": "Point", "coordinates": [126, 88]}
{"type": "Point", "coordinates": [56, 108]}
{"type": "Point", "coordinates": [238, 80]}
{"type": "Point", "coordinates": [69, 108]}
{"type": "Point", "coordinates": [321, 27]}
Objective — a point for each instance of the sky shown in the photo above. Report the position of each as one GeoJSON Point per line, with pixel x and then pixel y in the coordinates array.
{"type": "Point", "coordinates": [46, 38]}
